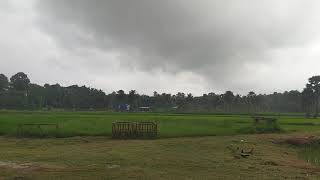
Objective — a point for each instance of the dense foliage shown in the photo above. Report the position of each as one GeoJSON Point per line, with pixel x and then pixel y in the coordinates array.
{"type": "Point", "coordinates": [19, 93]}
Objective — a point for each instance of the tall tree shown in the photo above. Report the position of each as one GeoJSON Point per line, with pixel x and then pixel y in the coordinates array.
{"type": "Point", "coordinates": [20, 81]}
{"type": "Point", "coordinates": [314, 84]}
{"type": "Point", "coordinates": [307, 100]}
{"type": "Point", "coordinates": [132, 99]}
{"type": "Point", "coordinates": [4, 83]}
{"type": "Point", "coordinates": [228, 98]}
{"type": "Point", "coordinates": [180, 99]}
{"type": "Point", "coordinates": [189, 98]}
{"type": "Point", "coordinates": [121, 96]}
{"type": "Point", "coordinates": [251, 102]}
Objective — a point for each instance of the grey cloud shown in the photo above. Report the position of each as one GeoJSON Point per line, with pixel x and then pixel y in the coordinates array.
{"type": "Point", "coordinates": [208, 37]}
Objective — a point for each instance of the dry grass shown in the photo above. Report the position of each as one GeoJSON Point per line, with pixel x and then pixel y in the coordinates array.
{"type": "Point", "coordinates": [175, 158]}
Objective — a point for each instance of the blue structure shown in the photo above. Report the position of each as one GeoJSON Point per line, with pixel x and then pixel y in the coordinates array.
{"type": "Point", "coordinates": [124, 107]}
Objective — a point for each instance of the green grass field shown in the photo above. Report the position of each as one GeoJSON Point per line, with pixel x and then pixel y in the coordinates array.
{"type": "Point", "coordinates": [170, 125]}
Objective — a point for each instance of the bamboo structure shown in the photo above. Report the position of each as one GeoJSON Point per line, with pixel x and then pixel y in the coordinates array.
{"type": "Point", "coordinates": [131, 130]}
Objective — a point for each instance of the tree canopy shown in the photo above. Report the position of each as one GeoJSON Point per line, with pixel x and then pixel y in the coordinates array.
{"type": "Point", "coordinates": [20, 81]}
{"type": "Point", "coordinates": [4, 83]}
{"type": "Point", "coordinates": [20, 93]}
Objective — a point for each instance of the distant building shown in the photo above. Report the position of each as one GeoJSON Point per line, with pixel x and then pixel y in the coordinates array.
{"type": "Point", "coordinates": [144, 109]}
{"type": "Point", "coordinates": [124, 107]}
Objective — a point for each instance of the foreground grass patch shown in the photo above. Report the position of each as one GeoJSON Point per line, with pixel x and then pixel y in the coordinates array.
{"type": "Point", "coordinates": [175, 158]}
{"type": "Point", "coordinates": [311, 152]}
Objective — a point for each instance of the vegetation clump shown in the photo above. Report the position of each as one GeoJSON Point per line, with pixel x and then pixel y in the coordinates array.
{"type": "Point", "coordinates": [268, 126]}
{"type": "Point", "coordinates": [310, 151]}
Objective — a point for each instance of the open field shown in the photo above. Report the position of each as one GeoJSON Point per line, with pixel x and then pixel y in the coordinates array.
{"type": "Point", "coordinates": [171, 125]}
{"type": "Point", "coordinates": [88, 152]}
{"type": "Point", "coordinates": [174, 158]}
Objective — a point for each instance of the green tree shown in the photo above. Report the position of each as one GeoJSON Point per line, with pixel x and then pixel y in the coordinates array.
{"type": "Point", "coordinates": [20, 81]}
{"type": "Point", "coordinates": [121, 97]}
{"type": "Point", "coordinates": [307, 100]}
{"type": "Point", "coordinates": [4, 83]}
{"type": "Point", "coordinates": [228, 98]}
{"type": "Point", "coordinates": [314, 85]}
{"type": "Point", "coordinates": [180, 99]}
{"type": "Point", "coordinates": [189, 98]}
{"type": "Point", "coordinates": [133, 99]}
{"type": "Point", "coordinates": [251, 102]}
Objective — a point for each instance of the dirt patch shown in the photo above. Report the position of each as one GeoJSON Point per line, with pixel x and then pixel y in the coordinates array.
{"type": "Point", "coordinates": [26, 166]}
{"type": "Point", "coordinates": [271, 163]}
{"type": "Point", "coordinates": [302, 141]}
{"type": "Point", "coordinates": [113, 166]}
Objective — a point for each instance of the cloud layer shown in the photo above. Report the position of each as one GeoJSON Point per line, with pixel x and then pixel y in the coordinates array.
{"type": "Point", "coordinates": [182, 45]}
{"type": "Point", "coordinates": [216, 39]}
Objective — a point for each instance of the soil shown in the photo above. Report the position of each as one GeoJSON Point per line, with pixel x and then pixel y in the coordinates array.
{"type": "Point", "coordinates": [301, 141]}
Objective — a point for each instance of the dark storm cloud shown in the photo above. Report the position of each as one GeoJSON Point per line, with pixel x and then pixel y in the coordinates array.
{"type": "Point", "coordinates": [207, 37]}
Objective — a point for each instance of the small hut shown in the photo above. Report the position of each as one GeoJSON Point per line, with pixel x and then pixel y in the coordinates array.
{"type": "Point", "coordinates": [144, 109]}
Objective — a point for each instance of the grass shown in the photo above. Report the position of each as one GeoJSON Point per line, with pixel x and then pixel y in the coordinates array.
{"type": "Point", "coordinates": [170, 125]}
{"type": "Point", "coordinates": [260, 128]}
{"type": "Point", "coordinates": [174, 158]}
{"type": "Point", "coordinates": [311, 153]}
{"type": "Point", "coordinates": [84, 155]}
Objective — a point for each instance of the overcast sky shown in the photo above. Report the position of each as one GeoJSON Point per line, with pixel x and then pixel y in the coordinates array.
{"type": "Point", "coordinates": [166, 46]}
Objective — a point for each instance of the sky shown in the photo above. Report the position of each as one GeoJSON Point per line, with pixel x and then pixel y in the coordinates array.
{"type": "Point", "coordinates": [165, 46]}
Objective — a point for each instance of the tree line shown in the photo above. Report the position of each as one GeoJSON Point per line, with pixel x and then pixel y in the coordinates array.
{"type": "Point", "coordinates": [19, 93]}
